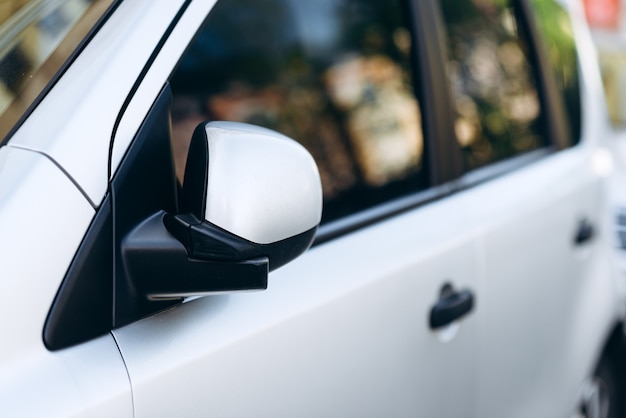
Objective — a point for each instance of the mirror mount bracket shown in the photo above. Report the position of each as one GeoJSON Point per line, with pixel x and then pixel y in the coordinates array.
{"type": "Point", "coordinates": [205, 241]}
{"type": "Point", "coordinates": [159, 265]}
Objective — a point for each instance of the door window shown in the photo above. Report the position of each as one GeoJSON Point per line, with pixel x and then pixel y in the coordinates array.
{"type": "Point", "coordinates": [498, 110]}
{"type": "Point", "coordinates": [334, 75]}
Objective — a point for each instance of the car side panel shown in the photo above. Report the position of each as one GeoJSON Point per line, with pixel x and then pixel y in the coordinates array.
{"type": "Point", "coordinates": [341, 331]}
{"type": "Point", "coordinates": [548, 302]}
{"type": "Point", "coordinates": [43, 218]}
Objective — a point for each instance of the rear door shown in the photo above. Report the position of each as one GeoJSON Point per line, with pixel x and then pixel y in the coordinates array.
{"type": "Point", "coordinates": [345, 330]}
{"type": "Point", "coordinates": [535, 173]}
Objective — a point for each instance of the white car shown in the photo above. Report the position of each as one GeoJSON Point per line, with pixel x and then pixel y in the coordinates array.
{"type": "Point", "coordinates": [160, 157]}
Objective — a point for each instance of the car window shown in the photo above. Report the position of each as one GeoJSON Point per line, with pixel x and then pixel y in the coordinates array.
{"type": "Point", "coordinates": [497, 105]}
{"type": "Point", "coordinates": [36, 38]}
{"type": "Point", "coordinates": [557, 34]}
{"type": "Point", "coordinates": [334, 75]}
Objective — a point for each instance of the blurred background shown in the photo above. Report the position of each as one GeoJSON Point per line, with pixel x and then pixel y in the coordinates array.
{"type": "Point", "coordinates": [607, 20]}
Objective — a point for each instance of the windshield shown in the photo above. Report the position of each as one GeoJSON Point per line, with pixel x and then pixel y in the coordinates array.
{"type": "Point", "coordinates": [36, 39]}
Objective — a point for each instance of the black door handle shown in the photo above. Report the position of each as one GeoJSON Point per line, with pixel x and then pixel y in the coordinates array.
{"type": "Point", "coordinates": [451, 306]}
{"type": "Point", "coordinates": [584, 233]}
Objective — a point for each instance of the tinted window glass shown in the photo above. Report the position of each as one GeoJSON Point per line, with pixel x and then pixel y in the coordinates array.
{"type": "Point", "coordinates": [334, 75]}
{"type": "Point", "coordinates": [36, 38]}
{"type": "Point", "coordinates": [493, 85]}
{"type": "Point", "coordinates": [555, 28]}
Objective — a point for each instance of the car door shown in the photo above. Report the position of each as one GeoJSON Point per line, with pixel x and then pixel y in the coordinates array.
{"type": "Point", "coordinates": [521, 125]}
{"type": "Point", "coordinates": [348, 328]}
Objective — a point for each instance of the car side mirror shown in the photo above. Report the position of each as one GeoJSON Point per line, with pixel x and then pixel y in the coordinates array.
{"type": "Point", "coordinates": [251, 202]}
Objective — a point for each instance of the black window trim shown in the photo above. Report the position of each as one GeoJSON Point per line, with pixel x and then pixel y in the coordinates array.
{"type": "Point", "coordinates": [375, 214]}
{"type": "Point", "coordinates": [442, 151]}
{"type": "Point", "coordinates": [398, 206]}
{"type": "Point", "coordinates": [500, 168]}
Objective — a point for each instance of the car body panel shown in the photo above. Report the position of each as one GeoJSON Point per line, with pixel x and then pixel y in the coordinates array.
{"type": "Point", "coordinates": [534, 367]}
{"type": "Point", "coordinates": [88, 380]}
{"type": "Point", "coordinates": [46, 216]}
{"type": "Point", "coordinates": [341, 331]}
{"type": "Point", "coordinates": [538, 288]}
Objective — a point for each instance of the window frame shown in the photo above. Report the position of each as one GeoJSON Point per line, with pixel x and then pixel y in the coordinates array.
{"type": "Point", "coordinates": [554, 118]}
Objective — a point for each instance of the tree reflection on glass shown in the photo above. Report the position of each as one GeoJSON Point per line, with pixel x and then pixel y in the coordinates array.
{"type": "Point", "coordinates": [555, 28]}
{"type": "Point", "coordinates": [494, 91]}
{"type": "Point", "coordinates": [332, 74]}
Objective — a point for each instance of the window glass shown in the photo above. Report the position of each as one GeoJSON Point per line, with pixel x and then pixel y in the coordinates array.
{"type": "Point", "coordinates": [555, 28]}
{"type": "Point", "coordinates": [334, 75]}
{"type": "Point", "coordinates": [493, 85]}
{"type": "Point", "coordinates": [36, 38]}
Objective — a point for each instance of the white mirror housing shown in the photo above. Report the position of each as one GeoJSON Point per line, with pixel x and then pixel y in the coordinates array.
{"type": "Point", "coordinates": [261, 185]}
{"type": "Point", "coordinates": [247, 192]}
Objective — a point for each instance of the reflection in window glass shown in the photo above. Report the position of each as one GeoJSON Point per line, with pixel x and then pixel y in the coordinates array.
{"type": "Point", "coordinates": [36, 38]}
{"type": "Point", "coordinates": [555, 28]}
{"type": "Point", "coordinates": [493, 86]}
{"type": "Point", "coordinates": [332, 74]}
